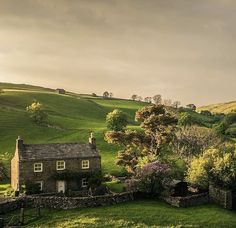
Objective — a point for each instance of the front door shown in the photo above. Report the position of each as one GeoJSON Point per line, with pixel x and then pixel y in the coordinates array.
{"type": "Point", "coordinates": [61, 186]}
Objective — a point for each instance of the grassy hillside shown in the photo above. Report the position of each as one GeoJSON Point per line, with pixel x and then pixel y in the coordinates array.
{"type": "Point", "coordinates": [72, 118]}
{"type": "Point", "coordinates": [11, 86]}
{"type": "Point", "coordinates": [220, 108]}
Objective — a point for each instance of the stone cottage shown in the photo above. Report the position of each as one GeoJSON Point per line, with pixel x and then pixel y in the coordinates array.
{"type": "Point", "coordinates": [40, 162]}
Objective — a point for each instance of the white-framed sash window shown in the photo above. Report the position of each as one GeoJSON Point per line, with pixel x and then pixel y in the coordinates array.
{"type": "Point", "coordinates": [61, 165]}
{"type": "Point", "coordinates": [85, 164]}
{"type": "Point", "coordinates": [38, 167]}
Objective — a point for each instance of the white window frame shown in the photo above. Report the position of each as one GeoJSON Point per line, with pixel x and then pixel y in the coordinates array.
{"type": "Point", "coordinates": [84, 183]}
{"type": "Point", "coordinates": [87, 164]}
{"type": "Point", "coordinates": [37, 170]}
{"type": "Point", "coordinates": [59, 165]}
{"type": "Point", "coordinates": [40, 184]}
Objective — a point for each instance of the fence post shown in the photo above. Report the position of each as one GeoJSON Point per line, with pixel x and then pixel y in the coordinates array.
{"type": "Point", "coordinates": [22, 216]}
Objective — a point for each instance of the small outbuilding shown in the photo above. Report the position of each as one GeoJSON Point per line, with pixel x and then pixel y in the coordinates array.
{"type": "Point", "coordinates": [60, 91]}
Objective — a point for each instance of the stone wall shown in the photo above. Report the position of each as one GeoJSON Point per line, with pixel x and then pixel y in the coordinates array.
{"type": "Point", "coordinates": [188, 201]}
{"type": "Point", "coordinates": [11, 204]}
{"type": "Point", "coordinates": [78, 202]}
{"type": "Point", "coordinates": [221, 197]}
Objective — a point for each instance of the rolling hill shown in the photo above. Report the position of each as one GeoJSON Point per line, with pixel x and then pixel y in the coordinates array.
{"type": "Point", "coordinates": [220, 108]}
{"type": "Point", "coordinates": [71, 119]}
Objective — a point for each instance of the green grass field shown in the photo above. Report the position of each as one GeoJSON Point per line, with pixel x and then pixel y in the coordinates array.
{"type": "Point", "coordinates": [133, 214]}
{"type": "Point", "coordinates": [72, 118]}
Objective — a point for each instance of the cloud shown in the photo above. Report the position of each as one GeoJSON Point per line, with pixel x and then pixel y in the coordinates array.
{"type": "Point", "coordinates": [182, 49]}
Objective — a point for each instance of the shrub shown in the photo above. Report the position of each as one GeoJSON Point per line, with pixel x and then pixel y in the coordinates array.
{"type": "Point", "coordinates": [190, 141]}
{"type": "Point", "coordinates": [216, 166]}
{"type": "Point", "coordinates": [116, 120]}
{"type": "Point", "coordinates": [206, 113]}
{"type": "Point", "coordinates": [37, 113]}
{"type": "Point", "coordinates": [31, 188]}
{"type": "Point", "coordinates": [186, 119]}
{"type": "Point", "coordinates": [149, 178]}
{"type": "Point", "coordinates": [231, 132]}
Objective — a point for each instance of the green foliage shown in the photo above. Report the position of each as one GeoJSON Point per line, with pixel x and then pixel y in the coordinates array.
{"type": "Point", "coordinates": [31, 188]}
{"type": "Point", "coordinates": [116, 120]}
{"type": "Point", "coordinates": [224, 126]}
{"type": "Point", "coordinates": [94, 178]}
{"type": "Point", "coordinates": [37, 113]}
{"type": "Point", "coordinates": [206, 113]}
{"type": "Point", "coordinates": [157, 125]}
{"type": "Point", "coordinates": [186, 119]}
{"type": "Point", "coordinates": [3, 171]}
{"type": "Point", "coordinates": [191, 141]}
{"type": "Point", "coordinates": [216, 166]}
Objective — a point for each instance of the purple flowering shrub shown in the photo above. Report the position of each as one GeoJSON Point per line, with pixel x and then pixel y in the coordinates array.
{"type": "Point", "coordinates": [149, 178]}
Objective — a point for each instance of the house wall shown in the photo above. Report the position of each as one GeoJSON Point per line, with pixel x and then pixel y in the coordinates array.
{"type": "Point", "coordinates": [14, 172]}
{"type": "Point", "coordinates": [49, 168]}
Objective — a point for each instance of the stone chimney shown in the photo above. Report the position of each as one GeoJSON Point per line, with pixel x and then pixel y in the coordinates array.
{"type": "Point", "coordinates": [19, 144]}
{"type": "Point", "coordinates": [92, 142]}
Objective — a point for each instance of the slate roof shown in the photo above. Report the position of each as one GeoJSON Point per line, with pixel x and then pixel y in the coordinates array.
{"type": "Point", "coordinates": [57, 151]}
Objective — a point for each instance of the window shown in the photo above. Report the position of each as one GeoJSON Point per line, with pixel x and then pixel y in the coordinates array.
{"type": "Point", "coordinates": [38, 167]}
{"type": "Point", "coordinates": [84, 183]}
{"type": "Point", "coordinates": [85, 164]}
{"type": "Point", "coordinates": [61, 165]}
{"type": "Point", "coordinates": [40, 183]}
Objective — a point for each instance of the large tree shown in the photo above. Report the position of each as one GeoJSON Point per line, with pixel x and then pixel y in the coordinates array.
{"type": "Point", "coordinates": [157, 124]}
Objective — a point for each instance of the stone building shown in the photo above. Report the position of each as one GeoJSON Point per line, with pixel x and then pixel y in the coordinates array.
{"type": "Point", "coordinates": [39, 163]}
{"type": "Point", "coordinates": [61, 91]}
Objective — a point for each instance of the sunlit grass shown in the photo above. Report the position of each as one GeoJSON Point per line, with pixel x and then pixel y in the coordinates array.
{"type": "Point", "coordinates": [136, 214]}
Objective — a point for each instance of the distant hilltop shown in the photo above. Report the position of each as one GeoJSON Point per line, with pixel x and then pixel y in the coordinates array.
{"type": "Point", "coordinates": [226, 107]}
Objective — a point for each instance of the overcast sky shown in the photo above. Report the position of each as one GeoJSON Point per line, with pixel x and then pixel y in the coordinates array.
{"type": "Point", "coordinates": [182, 49]}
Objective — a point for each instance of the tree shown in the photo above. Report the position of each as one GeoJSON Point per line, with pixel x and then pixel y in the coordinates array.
{"type": "Point", "coordinates": [134, 97]}
{"type": "Point", "coordinates": [105, 95]}
{"type": "Point", "coordinates": [94, 95]}
{"type": "Point", "coordinates": [157, 125]}
{"type": "Point", "coordinates": [176, 104]}
{"type": "Point", "coordinates": [110, 95]}
{"type": "Point", "coordinates": [157, 99]}
{"type": "Point", "coordinates": [167, 102]}
{"type": "Point", "coordinates": [116, 120]}
{"type": "Point", "coordinates": [139, 98]}
{"type": "Point", "coordinates": [191, 141]}
{"type": "Point", "coordinates": [37, 113]}
{"type": "Point", "coordinates": [192, 107]}
{"type": "Point", "coordinates": [216, 166]}
{"type": "Point", "coordinates": [148, 99]}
